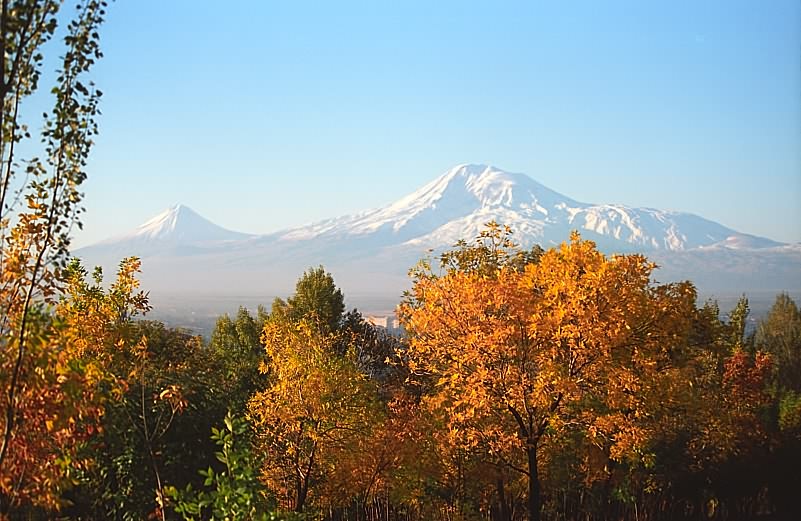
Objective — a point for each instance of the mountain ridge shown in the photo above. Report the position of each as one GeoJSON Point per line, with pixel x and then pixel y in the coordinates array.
{"type": "Point", "coordinates": [475, 194]}
{"type": "Point", "coordinates": [373, 249]}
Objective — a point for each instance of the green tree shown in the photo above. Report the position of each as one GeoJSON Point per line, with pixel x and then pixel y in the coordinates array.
{"type": "Point", "coordinates": [155, 424]}
{"type": "Point", "coordinates": [317, 298]}
{"type": "Point", "coordinates": [235, 342]}
{"type": "Point", "coordinates": [233, 493]}
{"type": "Point", "coordinates": [779, 333]}
{"type": "Point", "coordinates": [374, 350]}
{"type": "Point", "coordinates": [738, 326]}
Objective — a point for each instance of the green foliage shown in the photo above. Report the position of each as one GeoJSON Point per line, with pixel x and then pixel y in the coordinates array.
{"type": "Point", "coordinates": [373, 349]}
{"type": "Point", "coordinates": [316, 298]}
{"type": "Point", "coordinates": [780, 335]}
{"type": "Point", "coordinates": [235, 343]}
{"type": "Point", "coordinates": [790, 413]}
{"type": "Point", "coordinates": [154, 431]}
{"type": "Point", "coordinates": [233, 493]}
{"type": "Point", "coordinates": [738, 320]}
{"type": "Point", "coordinates": [491, 250]}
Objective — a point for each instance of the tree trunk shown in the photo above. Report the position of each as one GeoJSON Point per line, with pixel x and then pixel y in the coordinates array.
{"type": "Point", "coordinates": [300, 493]}
{"type": "Point", "coordinates": [504, 512]}
{"type": "Point", "coordinates": [159, 486]}
{"type": "Point", "coordinates": [303, 483]}
{"type": "Point", "coordinates": [534, 496]}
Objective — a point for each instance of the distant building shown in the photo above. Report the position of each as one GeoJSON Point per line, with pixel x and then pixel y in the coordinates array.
{"type": "Point", "coordinates": [388, 322]}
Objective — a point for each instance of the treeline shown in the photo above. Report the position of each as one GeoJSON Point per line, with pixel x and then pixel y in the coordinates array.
{"type": "Point", "coordinates": [529, 384]}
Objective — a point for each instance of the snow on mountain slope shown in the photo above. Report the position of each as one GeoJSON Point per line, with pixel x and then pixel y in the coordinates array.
{"type": "Point", "coordinates": [458, 204]}
{"type": "Point", "coordinates": [177, 231]}
{"type": "Point", "coordinates": [178, 224]}
{"type": "Point", "coordinates": [459, 193]}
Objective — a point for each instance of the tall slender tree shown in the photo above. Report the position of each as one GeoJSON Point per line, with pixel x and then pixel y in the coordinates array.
{"type": "Point", "coordinates": [40, 198]}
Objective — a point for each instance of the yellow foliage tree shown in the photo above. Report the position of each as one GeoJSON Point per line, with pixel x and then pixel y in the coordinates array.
{"type": "Point", "coordinates": [520, 352]}
{"type": "Point", "coordinates": [66, 365]}
{"type": "Point", "coordinates": [315, 412]}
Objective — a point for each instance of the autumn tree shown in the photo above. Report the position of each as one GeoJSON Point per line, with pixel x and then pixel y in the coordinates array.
{"type": "Point", "coordinates": [39, 203]}
{"type": "Point", "coordinates": [313, 410]}
{"type": "Point", "coordinates": [161, 392]}
{"type": "Point", "coordinates": [67, 384]}
{"type": "Point", "coordinates": [715, 450]}
{"type": "Point", "coordinates": [520, 353]}
{"type": "Point", "coordinates": [156, 431]}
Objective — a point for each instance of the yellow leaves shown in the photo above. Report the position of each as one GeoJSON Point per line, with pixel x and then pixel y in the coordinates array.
{"type": "Point", "coordinates": [317, 406]}
{"type": "Point", "coordinates": [66, 365]}
{"type": "Point", "coordinates": [57, 406]}
{"type": "Point", "coordinates": [174, 397]}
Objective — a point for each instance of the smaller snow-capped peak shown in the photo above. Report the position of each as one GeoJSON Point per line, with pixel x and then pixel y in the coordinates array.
{"type": "Point", "coordinates": [744, 241]}
{"type": "Point", "coordinates": [179, 224]}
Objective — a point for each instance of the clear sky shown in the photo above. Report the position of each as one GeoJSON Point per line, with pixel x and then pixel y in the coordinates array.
{"type": "Point", "coordinates": [262, 115]}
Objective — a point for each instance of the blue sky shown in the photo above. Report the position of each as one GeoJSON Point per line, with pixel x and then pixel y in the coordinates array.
{"type": "Point", "coordinates": [262, 115]}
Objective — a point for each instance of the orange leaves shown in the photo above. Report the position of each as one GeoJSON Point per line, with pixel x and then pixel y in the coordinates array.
{"type": "Point", "coordinates": [56, 410]}
{"type": "Point", "coordinates": [746, 377]}
{"type": "Point", "coordinates": [58, 407]}
{"type": "Point", "coordinates": [570, 340]}
{"type": "Point", "coordinates": [744, 389]}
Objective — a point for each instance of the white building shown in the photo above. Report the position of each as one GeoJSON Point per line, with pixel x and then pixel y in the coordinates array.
{"type": "Point", "coordinates": [388, 322]}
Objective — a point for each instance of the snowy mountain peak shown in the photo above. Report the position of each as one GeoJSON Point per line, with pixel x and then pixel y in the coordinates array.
{"type": "Point", "coordinates": [478, 193]}
{"type": "Point", "coordinates": [458, 204]}
{"type": "Point", "coordinates": [165, 223]}
{"type": "Point", "coordinates": [178, 224]}
{"type": "Point", "coordinates": [482, 186]}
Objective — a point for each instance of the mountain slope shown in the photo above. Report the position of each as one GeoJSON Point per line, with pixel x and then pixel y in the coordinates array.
{"type": "Point", "coordinates": [178, 224]}
{"type": "Point", "coordinates": [458, 204]}
{"type": "Point", "coordinates": [370, 252]}
{"type": "Point", "coordinates": [177, 230]}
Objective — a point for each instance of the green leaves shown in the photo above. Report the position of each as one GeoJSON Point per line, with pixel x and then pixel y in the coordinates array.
{"type": "Point", "coordinates": [317, 299]}
{"type": "Point", "coordinates": [234, 493]}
